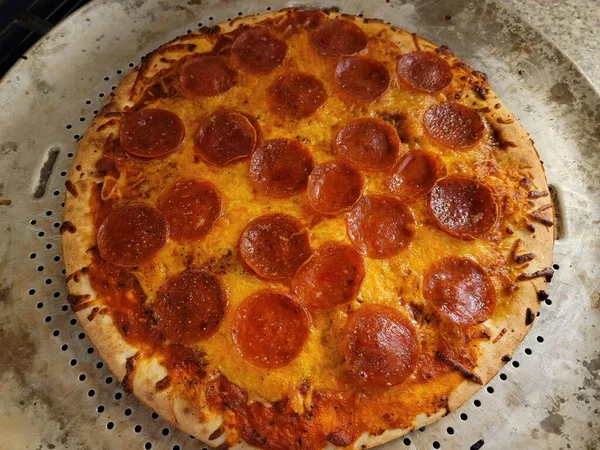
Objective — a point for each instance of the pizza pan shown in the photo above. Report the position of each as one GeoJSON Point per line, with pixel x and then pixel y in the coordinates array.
{"type": "Point", "coordinates": [55, 391]}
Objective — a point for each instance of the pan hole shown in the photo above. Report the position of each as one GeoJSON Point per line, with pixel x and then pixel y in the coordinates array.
{"type": "Point", "coordinates": [548, 301]}
{"type": "Point", "coordinates": [490, 389]}
{"type": "Point", "coordinates": [154, 415]}
{"type": "Point", "coordinates": [75, 136]}
{"type": "Point", "coordinates": [65, 308]}
{"type": "Point", "coordinates": [559, 215]}
{"type": "Point", "coordinates": [540, 339]}
{"type": "Point", "coordinates": [99, 365]}
{"type": "Point", "coordinates": [48, 281]}
{"type": "Point", "coordinates": [73, 362]}
{"type": "Point", "coordinates": [87, 102]}
{"type": "Point", "coordinates": [477, 403]}
{"type": "Point", "coordinates": [148, 445]}
{"type": "Point", "coordinates": [503, 376]}
{"type": "Point", "coordinates": [118, 396]}
{"type": "Point", "coordinates": [91, 393]}
{"type": "Point", "coordinates": [40, 268]}
{"type": "Point", "coordinates": [450, 431]}
{"type": "Point", "coordinates": [32, 256]}
{"type": "Point", "coordinates": [137, 428]}
{"type": "Point", "coordinates": [64, 347]}
{"type": "Point", "coordinates": [268, 8]}
{"type": "Point", "coordinates": [45, 172]}
{"type": "Point", "coordinates": [90, 350]}
{"type": "Point", "coordinates": [82, 377]}
{"type": "Point", "coordinates": [48, 319]}
{"type": "Point", "coordinates": [463, 416]}
{"type": "Point", "coordinates": [119, 72]}
{"type": "Point", "coordinates": [128, 412]}
{"type": "Point", "coordinates": [63, 174]}
{"type": "Point", "coordinates": [40, 305]}
{"type": "Point", "coordinates": [211, 18]}
{"type": "Point", "coordinates": [32, 222]}
{"type": "Point", "coordinates": [56, 333]}
{"type": "Point", "coordinates": [108, 380]}
{"type": "Point", "coordinates": [436, 444]}
{"type": "Point", "coordinates": [69, 126]}
{"type": "Point", "coordinates": [407, 441]}
{"type": "Point", "coordinates": [165, 431]}
{"type": "Point", "coordinates": [555, 266]}
{"type": "Point", "coordinates": [73, 321]}
{"type": "Point", "coordinates": [528, 351]}
{"type": "Point", "coordinates": [131, 64]}
{"type": "Point", "coordinates": [100, 409]}
{"type": "Point", "coordinates": [56, 294]}
{"type": "Point", "coordinates": [106, 78]}
{"type": "Point", "coordinates": [422, 429]}
{"type": "Point", "coordinates": [56, 258]}
{"type": "Point", "coordinates": [41, 234]}
{"type": "Point", "coordinates": [515, 364]}
{"type": "Point", "coordinates": [110, 425]}
{"type": "Point", "coordinates": [31, 291]}
{"type": "Point", "coordinates": [176, 447]}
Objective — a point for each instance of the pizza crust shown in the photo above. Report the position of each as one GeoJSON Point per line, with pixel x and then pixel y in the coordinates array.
{"type": "Point", "coordinates": [174, 407]}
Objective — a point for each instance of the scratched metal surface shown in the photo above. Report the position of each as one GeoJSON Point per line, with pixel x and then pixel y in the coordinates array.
{"type": "Point", "coordinates": [54, 391]}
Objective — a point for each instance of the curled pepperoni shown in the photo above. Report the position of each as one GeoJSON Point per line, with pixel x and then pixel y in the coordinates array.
{"type": "Point", "coordinates": [257, 50]}
{"type": "Point", "coordinates": [380, 345]}
{"type": "Point", "coordinates": [424, 71]}
{"type": "Point", "coordinates": [280, 168]}
{"type": "Point", "coordinates": [152, 133]}
{"type": "Point", "coordinates": [460, 289]}
{"type": "Point", "coordinates": [338, 37]}
{"type": "Point", "coordinates": [454, 125]}
{"type": "Point", "coordinates": [463, 207]}
{"type": "Point", "coordinates": [274, 246]}
{"type": "Point", "coordinates": [362, 78]}
{"type": "Point", "coordinates": [331, 277]}
{"type": "Point", "coordinates": [225, 137]}
{"type": "Point", "coordinates": [131, 234]}
{"type": "Point", "coordinates": [415, 174]}
{"type": "Point", "coordinates": [190, 306]}
{"type": "Point", "coordinates": [270, 329]}
{"type": "Point", "coordinates": [191, 208]}
{"type": "Point", "coordinates": [368, 144]}
{"type": "Point", "coordinates": [334, 187]}
{"type": "Point", "coordinates": [296, 95]}
{"type": "Point", "coordinates": [206, 76]}
{"type": "Point", "coordinates": [380, 226]}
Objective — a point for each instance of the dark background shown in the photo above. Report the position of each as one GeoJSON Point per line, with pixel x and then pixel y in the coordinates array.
{"type": "Point", "coordinates": [23, 22]}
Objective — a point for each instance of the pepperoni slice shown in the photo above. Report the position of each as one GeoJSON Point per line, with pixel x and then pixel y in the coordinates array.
{"type": "Point", "coordinates": [380, 345]}
{"type": "Point", "coordinates": [296, 95]}
{"type": "Point", "coordinates": [257, 50]}
{"type": "Point", "coordinates": [191, 208]}
{"type": "Point", "coordinates": [131, 234]}
{"type": "Point", "coordinates": [362, 78]}
{"type": "Point", "coordinates": [454, 125]}
{"type": "Point", "coordinates": [415, 174]}
{"type": "Point", "coordinates": [274, 245]}
{"type": "Point", "coordinates": [460, 289]}
{"type": "Point", "coordinates": [225, 137]}
{"type": "Point", "coordinates": [206, 76]}
{"type": "Point", "coordinates": [424, 71]}
{"type": "Point", "coordinates": [190, 307]}
{"type": "Point", "coordinates": [152, 133]}
{"type": "Point", "coordinates": [270, 329]}
{"type": "Point", "coordinates": [368, 144]}
{"type": "Point", "coordinates": [338, 37]}
{"type": "Point", "coordinates": [380, 226]}
{"type": "Point", "coordinates": [331, 277]}
{"type": "Point", "coordinates": [280, 168]}
{"type": "Point", "coordinates": [334, 187]}
{"type": "Point", "coordinates": [463, 207]}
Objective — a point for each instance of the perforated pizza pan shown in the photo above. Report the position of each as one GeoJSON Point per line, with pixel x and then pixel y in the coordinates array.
{"type": "Point", "coordinates": [55, 391]}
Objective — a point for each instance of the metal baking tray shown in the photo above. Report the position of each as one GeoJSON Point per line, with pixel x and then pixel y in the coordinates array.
{"type": "Point", "coordinates": [54, 390]}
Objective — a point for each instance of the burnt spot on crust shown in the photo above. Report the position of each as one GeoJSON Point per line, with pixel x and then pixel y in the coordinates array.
{"type": "Point", "coordinates": [93, 314]}
{"type": "Point", "coordinates": [536, 215]}
{"type": "Point", "coordinates": [209, 31]}
{"type": "Point", "coordinates": [529, 316]}
{"type": "Point", "coordinates": [67, 226]}
{"type": "Point", "coordinates": [464, 370]}
{"type": "Point", "coordinates": [342, 438]}
{"type": "Point", "coordinates": [216, 434]}
{"type": "Point", "coordinates": [506, 358]}
{"type": "Point", "coordinates": [481, 90]}
{"type": "Point", "coordinates": [71, 188]}
{"type": "Point", "coordinates": [79, 302]}
{"type": "Point", "coordinates": [538, 194]}
{"type": "Point", "coordinates": [130, 366]}
{"type": "Point", "coordinates": [523, 257]}
{"type": "Point", "coordinates": [542, 296]}
{"type": "Point", "coordinates": [500, 335]}
{"type": "Point", "coordinates": [163, 383]}
{"type": "Point", "coordinates": [547, 273]}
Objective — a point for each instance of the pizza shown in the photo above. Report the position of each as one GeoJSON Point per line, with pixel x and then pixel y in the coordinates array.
{"type": "Point", "coordinates": [305, 229]}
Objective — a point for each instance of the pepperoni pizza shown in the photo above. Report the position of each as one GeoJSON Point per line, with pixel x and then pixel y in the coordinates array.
{"type": "Point", "coordinates": [305, 230]}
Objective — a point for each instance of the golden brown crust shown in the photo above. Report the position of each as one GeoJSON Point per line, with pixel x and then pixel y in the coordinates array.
{"type": "Point", "coordinates": [115, 351]}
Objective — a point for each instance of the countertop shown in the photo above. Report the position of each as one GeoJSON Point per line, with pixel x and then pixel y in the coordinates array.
{"type": "Point", "coordinates": [573, 26]}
